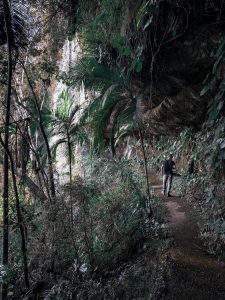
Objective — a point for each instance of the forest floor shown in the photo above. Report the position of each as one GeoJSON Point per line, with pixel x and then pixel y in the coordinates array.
{"type": "Point", "coordinates": [191, 273]}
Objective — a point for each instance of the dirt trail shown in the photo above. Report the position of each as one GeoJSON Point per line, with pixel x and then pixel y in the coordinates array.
{"type": "Point", "coordinates": [192, 273]}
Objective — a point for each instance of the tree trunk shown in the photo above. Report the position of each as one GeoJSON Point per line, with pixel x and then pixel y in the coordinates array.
{"type": "Point", "coordinates": [112, 142]}
{"type": "Point", "coordinates": [70, 172]}
{"type": "Point", "coordinates": [40, 123]}
{"type": "Point", "coordinates": [19, 217]}
{"type": "Point", "coordinates": [148, 204]}
{"type": "Point", "coordinates": [7, 18]}
{"type": "Point", "coordinates": [16, 147]}
{"type": "Point", "coordinates": [32, 148]}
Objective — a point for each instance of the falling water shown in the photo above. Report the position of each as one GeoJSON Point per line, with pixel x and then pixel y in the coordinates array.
{"type": "Point", "coordinates": [71, 52]}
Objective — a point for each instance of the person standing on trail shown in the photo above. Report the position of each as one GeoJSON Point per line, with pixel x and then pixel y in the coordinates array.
{"type": "Point", "coordinates": [168, 170]}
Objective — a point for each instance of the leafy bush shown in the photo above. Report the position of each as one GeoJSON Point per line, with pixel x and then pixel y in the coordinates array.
{"type": "Point", "coordinates": [207, 196]}
{"type": "Point", "coordinates": [109, 227]}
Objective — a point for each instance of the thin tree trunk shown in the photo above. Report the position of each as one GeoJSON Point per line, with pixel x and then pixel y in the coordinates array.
{"type": "Point", "coordinates": [148, 206]}
{"type": "Point", "coordinates": [16, 147]}
{"type": "Point", "coordinates": [32, 148]}
{"type": "Point", "coordinates": [40, 123]}
{"type": "Point", "coordinates": [112, 142]}
{"type": "Point", "coordinates": [70, 156]}
{"type": "Point", "coordinates": [112, 138]}
{"type": "Point", "coordinates": [5, 253]}
{"type": "Point", "coordinates": [70, 172]}
{"type": "Point", "coordinates": [19, 217]}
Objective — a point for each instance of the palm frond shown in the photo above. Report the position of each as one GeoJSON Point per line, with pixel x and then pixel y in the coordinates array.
{"type": "Point", "coordinates": [92, 107]}
{"type": "Point", "coordinates": [128, 114]}
{"type": "Point", "coordinates": [19, 23]}
{"type": "Point", "coordinates": [46, 114]}
{"type": "Point", "coordinates": [67, 110]}
{"type": "Point", "coordinates": [55, 145]}
{"type": "Point", "coordinates": [18, 19]}
{"type": "Point", "coordinates": [73, 130]}
{"type": "Point", "coordinates": [62, 127]}
{"type": "Point", "coordinates": [72, 115]}
{"type": "Point", "coordinates": [94, 75]}
{"type": "Point", "coordinates": [101, 118]}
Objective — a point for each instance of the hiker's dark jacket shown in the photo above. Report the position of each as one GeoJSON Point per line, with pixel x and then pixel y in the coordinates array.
{"type": "Point", "coordinates": [168, 167]}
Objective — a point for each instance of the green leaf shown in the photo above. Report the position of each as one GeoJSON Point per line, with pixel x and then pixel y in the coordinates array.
{"type": "Point", "coordinates": [148, 23]}
{"type": "Point", "coordinates": [125, 51]}
{"type": "Point", "coordinates": [220, 106]}
{"type": "Point", "coordinates": [137, 65]}
{"type": "Point", "coordinates": [107, 93]}
{"type": "Point", "coordinates": [211, 84]}
{"type": "Point", "coordinates": [217, 64]}
{"type": "Point", "coordinates": [118, 41]}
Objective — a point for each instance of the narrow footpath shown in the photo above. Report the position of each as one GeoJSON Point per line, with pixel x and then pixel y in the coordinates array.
{"type": "Point", "coordinates": [192, 273]}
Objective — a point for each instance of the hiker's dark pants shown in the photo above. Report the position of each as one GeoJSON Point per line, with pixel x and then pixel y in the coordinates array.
{"type": "Point", "coordinates": [167, 183]}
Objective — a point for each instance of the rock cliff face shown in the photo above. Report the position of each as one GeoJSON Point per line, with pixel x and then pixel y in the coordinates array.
{"type": "Point", "coordinates": [175, 108]}
{"type": "Point", "coordinates": [179, 69]}
{"type": "Point", "coordinates": [176, 102]}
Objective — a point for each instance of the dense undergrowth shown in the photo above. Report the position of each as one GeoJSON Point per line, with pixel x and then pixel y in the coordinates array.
{"type": "Point", "coordinates": [95, 240]}
{"type": "Point", "coordinates": [206, 195]}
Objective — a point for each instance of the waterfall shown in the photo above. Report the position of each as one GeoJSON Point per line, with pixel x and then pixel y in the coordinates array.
{"type": "Point", "coordinates": [70, 54]}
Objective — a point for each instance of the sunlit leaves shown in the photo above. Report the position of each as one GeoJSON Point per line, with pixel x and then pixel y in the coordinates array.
{"type": "Point", "coordinates": [145, 14]}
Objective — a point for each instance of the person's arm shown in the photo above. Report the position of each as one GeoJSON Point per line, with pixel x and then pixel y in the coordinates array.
{"type": "Point", "coordinates": [162, 170]}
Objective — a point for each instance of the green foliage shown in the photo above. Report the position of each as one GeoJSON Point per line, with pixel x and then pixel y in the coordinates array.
{"type": "Point", "coordinates": [115, 53]}
{"type": "Point", "coordinates": [119, 43]}
{"type": "Point", "coordinates": [13, 272]}
{"type": "Point", "coordinates": [136, 65]}
{"type": "Point", "coordinates": [146, 9]}
{"type": "Point", "coordinates": [67, 109]}
{"type": "Point", "coordinates": [211, 145]}
{"type": "Point", "coordinates": [204, 189]}
{"type": "Point", "coordinates": [178, 146]}
{"type": "Point", "coordinates": [63, 127]}
{"type": "Point", "coordinates": [110, 227]}
{"type": "Point", "coordinates": [215, 82]}
{"type": "Point", "coordinates": [102, 36]}
{"type": "Point", "coordinates": [34, 123]}
{"type": "Point", "coordinates": [96, 76]}
{"type": "Point", "coordinates": [99, 23]}
{"type": "Point", "coordinates": [204, 147]}
{"type": "Point", "coordinates": [206, 195]}
{"type": "Point", "coordinates": [114, 106]}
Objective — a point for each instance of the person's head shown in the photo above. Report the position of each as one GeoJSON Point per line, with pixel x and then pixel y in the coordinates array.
{"type": "Point", "coordinates": [170, 156]}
